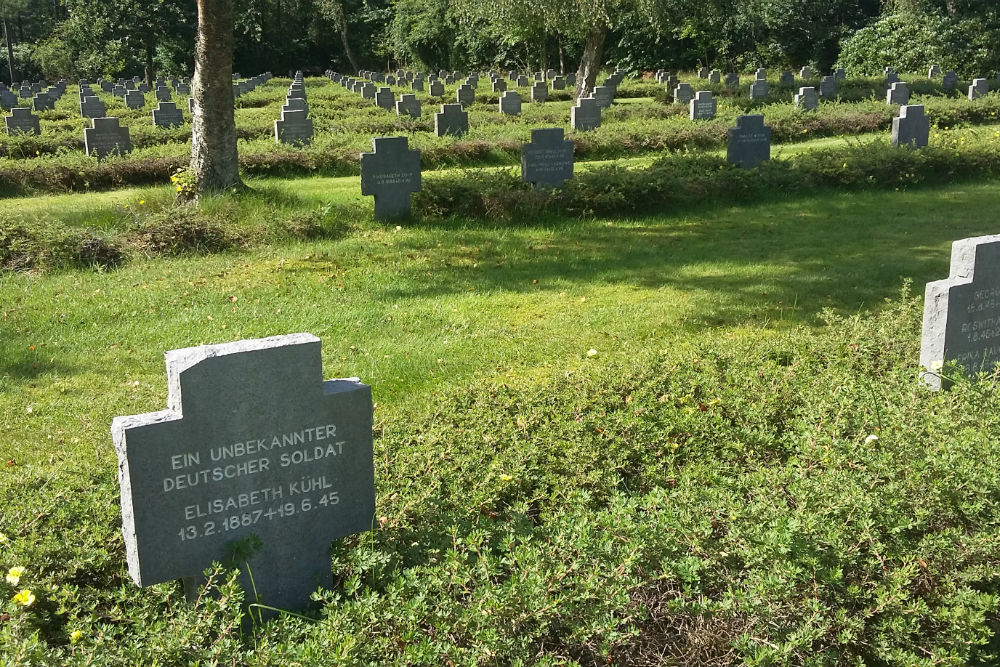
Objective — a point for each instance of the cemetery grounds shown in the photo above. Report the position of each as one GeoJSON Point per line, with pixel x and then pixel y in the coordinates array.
{"type": "Point", "coordinates": [668, 414]}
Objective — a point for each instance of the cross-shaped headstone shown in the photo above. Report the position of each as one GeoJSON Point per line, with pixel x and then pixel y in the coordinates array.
{"type": "Point", "coordinates": [962, 313]}
{"type": "Point", "coordinates": [417, 85]}
{"type": "Point", "coordinates": [933, 72]}
{"type": "Point", "coordinates": [749, 143]}
{"type": "Point", "coordinates": [898, 93]}
{"type": "Point", "coordinates": [135, 99]}
{"type": "Point", "coordinates": [8, 100]}
{"type": "Point", "coordinates": [604, 95]}
{"type": "Point", "coordinates": [408, 105]}
{"type": "Point", "coordinates": [949, 80]}
{"type": "Point", "coordinates": [166, 114]}
{"type": "Point", "coordinates": [890, 77]}
{"type": "Point", "coordinates": [253, 443]}
{"type": "Point", "coordinates": [732, 80]}
{"type": "Point", "coordinates": [978, 88]}
{"type": "Point", "coordinates": [539, 92]}
{"type": "Point", "coordinates": [828, 87]}
{"type": "Point", "coordinates": [465, 95]}
{"type": "Point", "coordinates": [92, 107]}
{"type": "Point", "coordinates": [162, 94]}
{"type": "Point", "coordinates": [911, 128]}
{"type": "Point", "coordinates": [105, 136]}
{"type": "Point", "coordinates": [498, 85]}
{"type": "Point", "coordinates": [703, 106]}
{"type": "Point", "coordinates": [807, 99]}
{"type": "Point", "coordinates": [571, 79]}
{"type": "Point", "coordinates": [787, 78]}
{"type": "Point", "coordinates": [715, 76]}
{"type": "Point", "coordinates": [806, 72]}
{"type": "Point", "coordinates": [558, 83]}
{"type": "Point", "coordinates": [390, 173]}
{"type": "Point", "coordinates": [385, 99]}
{"type": "Point", "coordinates": [521, 81]}
{"type": "Point", "coordinates": [703, 72]}
{"type": "Point", "coordinates": [42, 102]}
{"type": "Point", "coordinates": [436, 89]}
{"type": "Point", "coordinates": [295, 104]}
{"type": "Point", "coordinates": [760, 74]}
{"type": "Point", "coordinates": [758, 89]}
{"type": "Point", "coordinates": [22, 120]}
{"type": "Point", "coordinates": [840, 73]}
{"type": "Point", "coordinates": [368, 91]}
{"type": "Point", "coordinates": [510, 103]}
{"type": "Point", "coordinates": [548, 159]}
{"type": "Point", "coordinates": [585, 115]}
{"type": "Point", "coordinates": [683, 93]}
{"type": "Point", "coordinates": [451, 120]}
{"type": "Point", "coordinates": [294, 127]}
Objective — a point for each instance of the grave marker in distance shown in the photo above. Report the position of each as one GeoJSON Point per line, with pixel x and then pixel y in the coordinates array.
{"type": "Point", "coordinates": [749, 143]}
{"type": "Point", "coordinates": [105, 136]}
{"type": "Point", "coordinates": [911, 128]}
{"type": "Point", "coordinates": [548, 159]}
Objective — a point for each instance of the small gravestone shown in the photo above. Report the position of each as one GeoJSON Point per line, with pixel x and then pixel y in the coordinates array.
{"type": "Point", "coordinates": [806, 72]}
{"type": "Point", "coordinates": [540, 92]}
{"type": "Point", "coordinates": [8, 100]}
{"type": "Point", "coordinates": [385, 99]}
{"type": "Point", "coordinates": [93, 107]}
{"type": "Point", "coordinates": [571, 79]}
{"type": "Point", "coordinates": [450, 79]}
{"type": "Point", "coordinates": [451, 120]}
{"type": "Point", "coordinates": [828, 87]}
{"type": "Point", "coordinates": [899, 93]}
{"type": "Point", "coordinates": [933, 72]}
{"type": "Point", "coordinates": [671, 81]}
{"type": "Point", "coordinates": [106, 137]}
{"type": "Point", "coordinates": [253, 443]}
{"type": "Point", "coordinates": [807, 99]}
{"type": "Point", "coordinates": [142, 87]}
{"type": "Point", "coordinates": [539, 76]}
{"type": "Point", "coordinates": [521, 81]}
{"type": "Point", "coordinates": [715, 76]}
{"type": "Point", "coordinates": [166, 114]}
{"type": "Point", "coordinates": [295, 104]}
{"type": "Point", "coordinates": [465, 95]}
{"type": "Point", "coordinates": [978, 88]}
{"type": "Point", "coordinates": [42, 102]}
{"type": "Point", "coordinates": [436, 89]}
{"type": "Point", "coordinates": [408, 105]}
{"type": "Point", "coordinates": [134, 99]}
{"type": "Point", "coordinates": [890, 77]}
{"type": "Point", "coordinates": [585, 115]}
{"type": "Point", "coordinates": [558, 83]}
{"type": "Point", "coordinates": [417, 85]}
{"type": "Point", "coordinates": [786, 79]}
{"type": "Point", "coordinates": [911, 128]}
{"type": "Point", "coordinates": [703, 106]}
{"type": "Point", "coordinates": [550, 74]}
{"type": "Point", "coordinates": [840, 73]}
{"type": "Point", "coordinates": [368, 91]}
{"type": "Point", "coordinates": [703, 72]}
{"type": "Point", "coordinates": [294, 127]}
{"type": "Point", "coordinates": [22, 120]}
{"type": "Point", "coordinates": [758, 89]}
{"type": "Point", "coordinates": [760, 74]}
{"type": "Point", "coordinates": [604, 95]}
{"type": "Point", "coordinates": [548, 159]}
{"type": "Point", "coordinates": [949, 80]}
{"type": "Point", "coordinates": [749, 143]}
{"type": "Point", "coordinates": [390, 173]}
{"type": "Point", "coordinates": [390, 80]}
{"type": "Point", "coordinates": [683, 93]}
{"type": "Point", "coordinates": [732, 80]}
{"type": "Point", "coordinates": [962, 313]}
{"type": "Point", "coordinates": [162, 94]}
{"type": "Point", "coordinates": [499, 85]}
{"type": "Point", "coordinates": [510, 103]}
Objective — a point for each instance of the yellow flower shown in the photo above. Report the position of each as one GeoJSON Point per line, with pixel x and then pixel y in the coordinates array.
{"type": "Point", "coordinates": [74, 636]}
{"type": "Point", "coordinates": [14, 575]}
{"type": "Point", "coordinates": [141, 202]}
{"type": "Point", "coordinates": [25, 598]}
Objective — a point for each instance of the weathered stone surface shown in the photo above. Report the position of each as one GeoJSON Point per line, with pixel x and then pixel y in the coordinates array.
{"type": "Point", "coordinates": [452, 119]}
{"type": "Point", "coordinates": [548, 159]}
{"type": "Point", "coordinates": [166, 114]}
{"type": "Point", "coordinates": [465, 95]}
{"type": "Point", "coordinates": [408, 105]}
{"type": "Point", "coordinates": [390, 173]}
{"type": "Point", "coordinates": [898, 93]}
{"type": "Point", "coordinates": [294, 127]}
{"type": "Point", "coordinates": [385, 99]}
{"type": "Point", "coordinates": [979, 88]}
{"type": "Point", "coordinates": [749, 143]}
{"type": "Point", "coordinates": [949, 80]}
{"type": "Point", "coordinates": [510, 103]}
{"type": "Point", "coordinates": [683, 93]}
{"type": "Point", "coordinates": [703, 106]}
{"type": "Point", "coordinates": [828, 87]}
{"type": "Point", "coordinates": [807, 99]}
{"type": "Point", "coordinates": [93, 107]}
{"type": "Point", "coordinates": [758, 89]}
{"type": "Point", "coordinates": [585, 115]}
{"type": "Point", "coordinates": [22, 120]}
{"type": "Point", "coordinates": [106, 137]}
{"type": "Point", "coordinates": [540, 92]}
{"type": "Point", "coordinates": [911, 128]}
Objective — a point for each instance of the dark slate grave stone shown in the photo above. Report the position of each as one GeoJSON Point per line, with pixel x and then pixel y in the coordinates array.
{"type": "Point", "coordinates": [42, 102]}
{"type": "Point", "coordinates": [703, 106]}
{"type": "Point", "coordinates": [760, 74]}
{"type": "Point", "coordinates": [253, 443]}
{"type": "Point", "coordinates": [585, 115]}
{"type": "Point", "coordinates": [715, 76]}
{"type": "Point", "coordinates": [408, 105]}
{"type": "Point", "coordinates": [840, 73]}
{"type": "Point", "coordinates": [385, 99]}
{"type": "Point", "coordinates": [142, 88]}
{"type": "Point", "coordinates": [451, 120]}
{"type": "Point", "coordinates": [787, 79]}
{"type": "Point", "coordinates": [604, 95]}
{"type": "Point", "coordinates": [295, 104]}
{"type": "Point", "coordinates": [300, 91]}
{"type": "Point", "coordinates": [807, 99]}
{"type": "Point", "coordinates": [499, 85]}
{"type": "Point", "coordinates": [758, 89]}
{"type": "Point", "coordinates": [978, 88]}
{"type": "Point", "coordinates": [548, 159]}
{"type": "Point", "coordinates": [703, 72]}
{"type": "Point", "coordinates": [732, 80]}
{"type": "Point", "coordinates": [294, 127]}
{"type": "Point", "coordinates": [806, 72]}
{"type": "Point", "coordinates": [571, 79]}
{"type": "Point", "coordinates": [465, 95]}
{"type": "Point", "coordinates": [92, 107]}
{"type": "Point", "coordinates": [22, 120]}
{"type": "Point", "coordinates": [539, 92]}
{"type": "Point", "coordinates": [162, 94]}
{"type": "Point", "coordinates": [558, 83]}
{"type": "Point", "coordinates": [135, 99]}
{"type": "Point", "coordinates": [962, 313]}
{"type": "Point", "coordinates": [368, 91]}
{"type": "Point", "coordinates": [911, 128]}
{"type": "Point", "coordinates": [899, 93]}
{"type": "Point", "coordinates": [390, 80]}
{"type": "Point", "coordinates": [749, 143]}
{"type": "Point", "coordinates": [106, 86]}
{"type": "Point", "coordinates": [510, 103]}
{"type": "Point", "coordinates": [933, 72]}
{"type": "Point", "coordinates": [166, 114]}
{"type": "Point", "coordinates": [450, 79]}
{"type": "Point", "coordinates": [670, 82]}
{"type": "Point", "coordinates": [390, 173]}
{"type": "Point", "coordinates": [522, 81]}
{"type": "Point", "coordinates": [8, 100]}
{"type": "Point", "coordinates": [550, 74]}
{"type": "Point", "coordinates": [436, 89]}
{"type": "Point", "coordinates": [683, 93]}
{"type": "Point", "coordinates": [890, 77]}
{"type": "Point", "coordinates": [106, 137]}
{"type": "Point", "coordinates": [417, 85]}
{"type": "Point", "coordinates": [24, 92]}
{"type": "Point", "coordinates": [828, 87]}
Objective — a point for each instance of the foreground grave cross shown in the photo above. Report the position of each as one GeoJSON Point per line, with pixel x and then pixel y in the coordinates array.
{"type": "Point", "coordinates": [253, 442]}
{"type": "Point", "coordinates": [390, 173]}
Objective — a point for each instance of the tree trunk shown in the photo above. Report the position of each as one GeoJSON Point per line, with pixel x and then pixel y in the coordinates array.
{"type": "Point", "coordinates": [342, 26]}
{"type": "Point", "coordinates": [590, 61]}
{"type": "Point", "coordinates": [10, 49]}
{"type": "Point", "coordinates": [562, 64]}
{"type": "Point", "coordinates": [148, 46]}
{"type": "Point", "coordinates": [213, 130]}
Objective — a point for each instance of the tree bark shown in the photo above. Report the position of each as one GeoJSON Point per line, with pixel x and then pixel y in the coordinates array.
{"type": "Point", "coordinates": [214, 161]}
{"type": "Point", "coordinates": [590, 61]}
{"type": "Point", "coordinates": [342, 27]}
{"type": "Point", "coordinates": [148, 47]}
{"type": "Point", "coordinates": [10, 49]}
{"type": "Point", "coordinates": [562, 64]}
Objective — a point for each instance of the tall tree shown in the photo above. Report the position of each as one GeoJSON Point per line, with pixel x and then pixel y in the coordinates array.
{"type": "Point", "coordinates": [214, 160]}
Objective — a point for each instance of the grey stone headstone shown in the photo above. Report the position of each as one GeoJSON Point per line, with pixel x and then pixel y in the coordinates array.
{"type": "Point", "coordinates": [807, 99]}
{"type": "Point", "coordinates": [890, 77]}
{"type": "Point", "coordinates": [22, 120]}
{"type": "Point", "coordinates": [510, 103]}
{"type": "Point", "coordinates": [558, 83]}
{"type": "Point", "coordinates": [93, 107]}
{"type": "Point", "coordinates": [840, 73]}
{"type": "Point", "coordinates": [135, 99]}
{"type": "Point", "coordinates": [571, 79]}
{"type": "Point", "coordinates": [550, 74]}
{"type": "Point", "coordinates": [749, 143]}
{"type": "Point", "coordinates": [758, 89]}
{"type": "Point", "coordinates": [683, 93]}
{"type": "Point", "coordinates": [499, 85]}
{"type": "Point", "coordinates": [604, 95]}
{"type": "Point", "coordinates": [417, 85]}
{"type": "Point", "coordinates": [385, 99]}
{"type": "Point", "coordinates": [540, 92]}
{"type": "Point", "coordinates": [294, 127]}
{"type": "Point", "coordinates": [182, 89]}
{"type": "Point", "coordinates": [703, 72]}
{"type": "Point", "coordinates": [949, 80]}
{"type": "Point", "coordinates": [166, 114]}
{"type": "Point", "coordinates": [548, 159]}
{"type": "Point", "coordinates": [390, 173]}
{"type": "Point", "coordinates": [450, 79]}
{"type": "Point", "coordinates": [105, 137]}
{"type": "Point", "coordinates": [585, 115]}
{"type": "Point", "coordinates": [8, 100]}
{"type": "Point", "coordinates": [295, 104]}
{"type": "Point", "coordinates": [933, 72]}
{"type": "Point", "coordinates": [436, 89]}
{"type": "Point", "coordinates": [760, 74]}
{"type": "Point", "coordinates": [978, 88]}
{"type": "Point", "coordinates": [465, 95]}
{"type": "Point", "coordinates": [806, 72]}
{"type": "Point", "coordinates": [253, 443]}
{"type": "Point", "coordinates": [390, 80]}
{"type": "Point", "coordinates": [42, 102]}
{"type": "Point", "coordinates": [162, 94]}
{"type": "Point", "coordinates": [962, 313]}
{"type": "Point", "coordinates": [107, 86]}
{"type": "Point", "coordinates": [899, 93]}
{"type": "Point", "coordinates": [703, 106]}
{"type": "Point", "coordinates": [522, 81]}
{"type": "Point", "coordinates": [452, 119]}
{"type": "Point", "coordinates": [912, 127]}
{"type": "Point", "coordinates": [715, 76]}
{"type": "Point", "coordinates": [787, 78]}
{"type": "Point", "coordinates": [828, 87]}
{"type": "Point", "coordinates": [732, 80]}
{"type": "Point", "coordinates": [368, 91]}
{"type": "Point", "coordinates": [408, 105]}
{"type": "Point", "coordinates": [142, 87]}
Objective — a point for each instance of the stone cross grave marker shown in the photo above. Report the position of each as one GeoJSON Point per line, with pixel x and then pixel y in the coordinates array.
{"type": "Point", "coordinates": [806, 72]}
{"type": "Point", "coordinates": [452, 119]}
{"type": "Point", "coordinates": [22, 120]}
{"type": "Point", "coordinates": [933, 72]}
{"type": "Point", "coordinates": [585, 115]}
{"type": "Point", "coordinates": [715, 76]}
{"type": "Point", "coordinates": [295, 104]}
{"type": "Point", "coordinates": [758, 89]}
{"type": "Point", "coordinates": [571, 79]}
{"type": "Point", "coordinates": [899, 93]}
{"type": "Point", "coordinates": [787, 78]}
{"type": "Point", "coordinates": [162, 94]}
{"type": "Point", "coordinates": [807, 99]}
{"type": "Point", "coordinates": [703, 72]}
{"type": "Point", "coordinates": [558, 83]}
{"type": "Point", "coordinates": [703, 106]}
{"type": "Point", "coordinates": [548, 159]}
{"type": "Point", "coordinates": [683, 93]}
{"type": "Point", "coordinates": [465, 95]}
{"type": "Point", "coordinates": [253, 442]}
{"type": "Point", "coordinates": [417, 85]}
{"type": "Point", "coordinates": [840, 73]}
{"type": "Point", "coordinates": [390, 173]}
{"type": "Point", "coordinates": [911, 128]}
{"type": "Point", "coordinates": [166, 114]}
{"type": "Point", "coordinates": [539, 92]}
{"type": "Point", "coordinates": [385, 99]}
{"type": "Point", "coordinates": [105, 136]}
{"type": "Point", "coordinates": [8, 100]}
{"type": "Point", "coordinates": [604, 95]}
{"type": "Point", "coordinates": [510, 103]}
{"type": "Point", "coordinates": [408, 105]}
{"type": "Point", "coordinates": [294, 127]}
{"type": "Point", "coordinates": [368, 91]}
{"type": "Point", "coordinates": [93, 107]}
{"type": "Point", "coordinates": [42, 102]}
{"type": "Point", "coordinates": [760, 74]}
{"type": "Point", "coordinates": [499, 85]}
{"type": "Point", "coordinates": [436, 89]}
{"type": "Point", "coordinates": [521, 81]}
{"type": "Point", "coordinates": [978, 88]}
{"type": "Point", "coordinates": [828, 87]}
{"type": "Point", "coordinates": [142, 87]}
{"type": "Point", "coordinates": [732, 80]}
{"type": "Point", "coordinates": [749, 143]}
{"type": "Point", "coordinates": [962, 312]}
